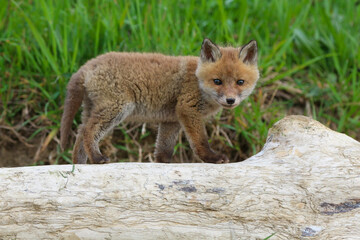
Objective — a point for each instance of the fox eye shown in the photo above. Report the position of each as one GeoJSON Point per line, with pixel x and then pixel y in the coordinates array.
{"type": "Point", "coordinates": [240, 82]}
{"type": "Point", "coordinates": [217, 81]}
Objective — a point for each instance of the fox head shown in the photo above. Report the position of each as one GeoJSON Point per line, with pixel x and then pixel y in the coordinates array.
{"type": "Point", "coordinates": [227, 75]}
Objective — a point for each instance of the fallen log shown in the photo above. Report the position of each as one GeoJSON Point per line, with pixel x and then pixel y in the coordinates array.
{"type": "Point", "coordinates": [304, 184]}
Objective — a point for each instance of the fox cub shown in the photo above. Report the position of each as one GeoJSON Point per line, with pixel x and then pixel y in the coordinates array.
{"type": "Point", "coordinates": [174, 92]}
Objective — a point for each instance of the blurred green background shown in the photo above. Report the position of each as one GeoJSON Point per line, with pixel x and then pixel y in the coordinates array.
{"type": "Point", "coordinates": [309, 62]}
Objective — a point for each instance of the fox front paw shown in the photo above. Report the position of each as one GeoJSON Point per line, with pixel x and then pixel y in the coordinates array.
{"type": "Point", "coordinates": [101, 160]}
{"type": "Point", "coordinates": [222, 159]}
{"type": "Point", "coordinates": [162, 158]}
{"type": "Point", "coordinates": [217, 159]}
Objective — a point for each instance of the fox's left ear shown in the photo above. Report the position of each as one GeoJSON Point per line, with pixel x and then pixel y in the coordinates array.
{"type": "Point", "coordinates": [248, 53]}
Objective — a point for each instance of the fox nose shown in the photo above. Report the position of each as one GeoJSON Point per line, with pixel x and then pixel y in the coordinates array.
{"type": "Point", "coordinates": [230, 100]}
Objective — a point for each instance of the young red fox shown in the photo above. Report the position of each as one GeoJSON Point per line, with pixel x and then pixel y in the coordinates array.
{"type": "Point", "coordinates": [175, 92]}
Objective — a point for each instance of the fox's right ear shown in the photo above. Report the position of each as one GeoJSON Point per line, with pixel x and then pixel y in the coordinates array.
{"type": "Point", "coordinates": [209, 51]}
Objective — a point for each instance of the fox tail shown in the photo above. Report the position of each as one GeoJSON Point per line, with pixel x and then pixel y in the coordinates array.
{"type": "Point", "coordinates": [74, 97]}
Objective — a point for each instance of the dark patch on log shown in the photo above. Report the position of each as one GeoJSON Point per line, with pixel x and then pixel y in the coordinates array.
{"type": "Point", "coordinates": [162, 187]}
{"type": "Point", "coordinates": [331, 208]}
{"type": "Point", "coordinates": [310, 232]}
{"type": "Point", "coordinates": [181, 182]}
{"type": "Point", "coordinates": [216, 190]}
{"type": "Point", "coordinates": [189, 189]}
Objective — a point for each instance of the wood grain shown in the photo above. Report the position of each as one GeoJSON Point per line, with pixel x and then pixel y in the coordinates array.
{"type": "Point", "coordinates": [304, 184]}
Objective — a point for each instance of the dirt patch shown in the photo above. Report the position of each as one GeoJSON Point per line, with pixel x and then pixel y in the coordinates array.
{"type": "Point", "coordinates": [18, 152]}
{"type": "Point", "coordinates": [16, 155]}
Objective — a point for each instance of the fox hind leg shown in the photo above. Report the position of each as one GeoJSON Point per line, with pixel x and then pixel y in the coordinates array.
{"type": "Point", "coordinates": [165, 141]}
{"type": "Point", "coordinates": [79, 155]}
{"type": "Point", "coordinates": [101, 121]}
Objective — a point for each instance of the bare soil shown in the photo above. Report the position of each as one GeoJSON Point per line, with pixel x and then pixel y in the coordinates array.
{"type": "Point", "coordinates": [17, 154]}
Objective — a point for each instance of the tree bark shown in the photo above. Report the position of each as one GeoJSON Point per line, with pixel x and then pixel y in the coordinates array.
{"type": "Point", "coordinates": [304, 184]}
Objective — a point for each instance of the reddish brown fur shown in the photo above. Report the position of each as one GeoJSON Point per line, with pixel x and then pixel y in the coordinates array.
{"type": "Point", "coordinates": [174, 92]}
{"type": "Point", "coordinates": [72, 104]}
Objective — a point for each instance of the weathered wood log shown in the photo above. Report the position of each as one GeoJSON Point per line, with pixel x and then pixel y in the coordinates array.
{"type": "Point", "coordinates": [304, 184]}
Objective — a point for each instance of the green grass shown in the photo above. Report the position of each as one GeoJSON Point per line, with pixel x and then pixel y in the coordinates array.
{"type": "Point", "coordinates": [309, 59]}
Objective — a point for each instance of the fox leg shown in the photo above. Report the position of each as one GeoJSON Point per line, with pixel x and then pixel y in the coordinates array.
{"type": "Point", "coordinates": [79, 155]}
{"type": "Point", "coordinates": [165, 141]}
{"type": "Point", "coordinates": [101, 121]}
{"type": "Point", "coordinates": [196, 134]}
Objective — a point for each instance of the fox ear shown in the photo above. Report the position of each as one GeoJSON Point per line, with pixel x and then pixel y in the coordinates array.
{"type": "Point", "coordinates": [209, 51]}
{"type": "Point", "coordinates": [248, 53]}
